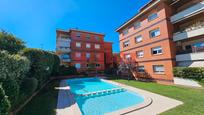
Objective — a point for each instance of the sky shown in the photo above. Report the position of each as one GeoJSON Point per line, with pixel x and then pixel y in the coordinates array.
{"type": "Point", "coordinates": [36, 21]}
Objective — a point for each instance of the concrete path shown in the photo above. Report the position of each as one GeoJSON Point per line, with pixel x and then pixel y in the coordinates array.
{"type": "Point", "coordinates": [186, 82]}
{"type": "Point", "coordinates": [66, 104]}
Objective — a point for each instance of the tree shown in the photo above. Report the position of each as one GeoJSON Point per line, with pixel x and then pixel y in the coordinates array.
{"type": "Point", "coordinates": [4, 102]}
{"type": "Point", "coordinates": [10, 43]}
{"type": "Point", "coordinates": [128, 68]}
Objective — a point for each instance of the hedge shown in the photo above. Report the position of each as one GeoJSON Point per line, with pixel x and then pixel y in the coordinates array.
{"type": "Point", "coordinates": [29, 85]}
{"type": "Point", "coordinates": [4, 102]}
{"type": "Point", "coordinates": [67, 70]}
{"type": "Point", "coordinates": [56, 65]}
{"type": "Point", "coordinates": [13, 66]}
{"type": "Point", "coordinates": [42, 63]}
{"type": "Point", "coordinates": [22, 70]}
{"type": "Point", "coordinates": [11, 88]}
{"type": "Point", "coordinates": [189, 72]}
{"type": "Point", "coordinates": [10, 43]}
{"type": "Point", "coordinates": [12, 70]}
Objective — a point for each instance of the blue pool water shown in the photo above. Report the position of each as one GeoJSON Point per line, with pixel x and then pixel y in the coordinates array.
{"type": "Point", "coordinates": [103, 103]}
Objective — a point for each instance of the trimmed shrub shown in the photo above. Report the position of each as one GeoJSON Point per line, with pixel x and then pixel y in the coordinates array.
{"type": "Point", "coordinates": [10, 43]}
{"type": "Point", "coordinates": [29, 85]}
{"type": "Point", "coordinates": [41, 63]}
{"type": "Point", "coordinates": [67, 70]}
{"type": "Point", "coordinates": [178, 71]}
{"type": "Point", "coordinates": [12, 70]}
{"type": "Point", "coordinates": [4, 102]}
{"type": "Point", "coordinates": [11, 89]}
{"type": "Point", "coordinates": [110, 71]}
{"type": "Point", "coordinates": [56, 65]}
{"type": "Point", "coordinates": [13, 66]}
{"type": "Point", "coordinates": [189, 72]}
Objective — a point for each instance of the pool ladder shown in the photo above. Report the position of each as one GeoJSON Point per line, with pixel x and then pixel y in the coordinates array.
{"type": "Point", "coordinates": [102, 92]}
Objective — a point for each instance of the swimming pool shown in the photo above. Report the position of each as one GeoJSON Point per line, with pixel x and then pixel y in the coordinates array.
{"type": "Point", "coordinates": [96, 97]}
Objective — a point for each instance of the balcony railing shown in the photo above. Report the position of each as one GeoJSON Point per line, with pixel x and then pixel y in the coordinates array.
{"type": "Point", "coordinates": [66, 60]}
{"type": "Point", "coordinates": [189, 12]}
{"type": "Point", "coordinates": [190, 56]}
{"type": "Point", "coordinates": [63, 42]}
{"type": "Point", "coordinates": [184, 52]}
{"type": "Point", "coordinates": [192, 31]}
{"type": "Point", "coordinates": [64, 49]}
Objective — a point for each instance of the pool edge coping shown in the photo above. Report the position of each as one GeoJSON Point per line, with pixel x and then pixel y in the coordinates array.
{"type": "Point", "coordinates": [171, 103]}
{"type": "Point", "coordinates": [143, 107]}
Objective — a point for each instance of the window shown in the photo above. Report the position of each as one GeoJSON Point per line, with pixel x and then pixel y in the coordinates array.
{"type": "Point", "coordinates": [154, 33]}
{"type": "Point", "coordinates": [127, 56]}
{"type": "Point", "coordinates": [65, 56]}
{"type": "Point", "coordinates": [78, 65]}
{"type": "Point", "coordinates": [88, 37]}
{"type": "Point", "coordinates": [78, 55]}
{"type": "Point", "coordinates": [157, 50]}
{"type": "Point", "coordinates": [97, 46]}
{"type": "Point", "coordinates": [78, 35]}
{"type": "Point", "coordinates": [141, 69]}
{"type": "Point", "coordinates": [190, 48]}
{"type": "Point", "coordinates": [137, 25]}
{"type": "Point", "coordinates": [88, 45]}
{"type": "Point", "coordinates": [158, 68]}
{"type": "Point", "coordinates": [140, 54]}
{"type": "Point", "coordinates": [78, 44]}
{"type": "Point", "coordinates": [125, 31]}
{"type": "Point", "coordinates": [152, 16]}
{"type": "Point", "coordinates": [97, 38]}
{"type": "Point", "coordinates": [88, 55]}
{"type": "Point", "coordinates": [98, 65]}
{"type": "Point", "coordinates": [126, 43]}
{"type": "Point", "coordinates": [138, 39]}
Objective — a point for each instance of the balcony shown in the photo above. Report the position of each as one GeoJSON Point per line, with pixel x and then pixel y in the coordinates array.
{"type": "Point", "coordinates": [189, 12]}
{"type": "Point", "coordinates": [190, 56]}
{"type": "Point", "coordinates": [189, 32]}
{"type": "Point", "coordinates": [66, 60]}
{"type": "Point", "coordinates": [64, 49]}
{"type": "Point", "coordinates": [61, 42]}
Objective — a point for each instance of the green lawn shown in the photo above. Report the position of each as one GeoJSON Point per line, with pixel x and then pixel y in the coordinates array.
{"type": "Point", "coordinates": [201, 82]}
{"type": "Point", "coordinates": [193, 98]}
{"type": "Point", "coordinates": [44, 103]}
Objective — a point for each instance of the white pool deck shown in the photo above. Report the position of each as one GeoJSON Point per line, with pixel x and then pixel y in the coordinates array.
{"type": "Point", "coordinates": [153, 104]}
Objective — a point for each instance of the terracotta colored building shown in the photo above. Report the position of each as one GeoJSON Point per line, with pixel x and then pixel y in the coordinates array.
{"type": "Point", "coordinates": [151, 39]}
{"type": "Point", "coordinates": [116, 58]}
{"type": "Point", "coordinates": [83, 49]}
{"type": "Point", "coordinates": [108, 53]}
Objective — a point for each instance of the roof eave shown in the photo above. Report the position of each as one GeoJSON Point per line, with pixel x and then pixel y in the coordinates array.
{"type": "Point", "coordinates": [139, 14]}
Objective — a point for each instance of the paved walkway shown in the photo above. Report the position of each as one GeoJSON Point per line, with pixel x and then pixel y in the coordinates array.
{"type": "Point", "coordinates": [66, 104]}
{"type": "Point", "coordinates": [186, 82]}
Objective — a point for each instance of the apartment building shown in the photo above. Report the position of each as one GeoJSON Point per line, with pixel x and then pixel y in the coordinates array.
{"type": "Point", "coordinates": [188, 33]}
{"type": "Point", "coordinates": [108, 53]}
{"type": "Point", "coordinates": [83, 49]}
{"type": "Point", "coordinates": [164, 34]}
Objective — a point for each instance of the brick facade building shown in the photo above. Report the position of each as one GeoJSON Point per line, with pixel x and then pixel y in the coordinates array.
{"type": "Point", "coordinates": [164, 34]}
{"type": "Point", "coordinates": [83, 49]}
